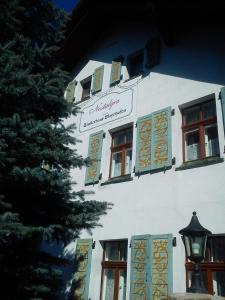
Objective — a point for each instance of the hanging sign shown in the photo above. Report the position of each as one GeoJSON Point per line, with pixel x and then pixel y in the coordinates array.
{"type": "Point", "coordinates": [106, 109]}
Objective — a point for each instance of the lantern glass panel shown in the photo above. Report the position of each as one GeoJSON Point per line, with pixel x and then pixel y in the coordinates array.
{"type": "Point", "coordinates": [198, 245]}
{"type": "Point", "coordinates": [187, 245]}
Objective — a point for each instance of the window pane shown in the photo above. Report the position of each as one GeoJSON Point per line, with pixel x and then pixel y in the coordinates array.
{"type": "Point", "coordinates": [136, 64]}
{"type": "Point", "coordinates": [112, 251]}
{"type": "Point", "coordinates": [116, 164]}
{"type": "Point", "coordinates": [86, 89]}
{"type": "Point", "coordinates": [119, 138]}
{"type": "Point", "coordinates": [219, 283]}
{"type": "Point", "coordinates": [191, 115]}
{"type": "Point", "coordinates": [211, 140]}
{"type": "Point", "coordinates": [129, 136]}
{"type": "Point", "coordinates": [192, 145]}
{"type": "Point", "coordinates": [123, 251]}
{"type": "Point", "coordinates": [108, 285]}
{"type": "Point", "coordinates": [209, 110]}
{"type": "Point", "coordinates": [128, 161]}
{"type": "Point", "coordinates": [115, 251]}
{"type": "Point", "coordinates": [122, 284]}
{"type": "Point", "coordinates": [215, 249]}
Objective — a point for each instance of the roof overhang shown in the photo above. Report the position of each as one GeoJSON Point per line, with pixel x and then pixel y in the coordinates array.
{"type": "Point", "coordinates": [92, 20]}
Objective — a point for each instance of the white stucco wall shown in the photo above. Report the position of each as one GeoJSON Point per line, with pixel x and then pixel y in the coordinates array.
{"type": "Point", "coordinates": [159, 203]}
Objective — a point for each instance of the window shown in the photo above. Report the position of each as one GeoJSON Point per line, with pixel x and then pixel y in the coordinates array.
{"type": "Point", "coordinates": [114, 271]}
{"type": "Point", "coordinates": [135, 64]}
{"type": "Point", "coordinates": [86, 88]}
{"type": "Point", "coordinates": [121, 153]}
{"type": "Point", "coordinates": [213, 267]}
{"type": "Point", "coordinates": [200, 135]}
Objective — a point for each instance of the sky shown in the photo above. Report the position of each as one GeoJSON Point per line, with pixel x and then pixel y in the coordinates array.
{"type": "Point", "coordinates": [68, 5]}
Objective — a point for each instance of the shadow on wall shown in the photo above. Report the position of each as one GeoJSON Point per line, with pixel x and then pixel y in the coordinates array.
{"type": "Point", "coordinates": [68, 267]}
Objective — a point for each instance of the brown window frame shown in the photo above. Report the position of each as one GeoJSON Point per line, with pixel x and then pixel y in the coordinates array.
{"type": "Point", "coordinates": [117, 266]}
{"type": "Point", "coordinates": [207, 267]}
{"type": "Point", "coordinates": [198, 125]}
{"type": "Point", "coordinates": [121, 148]}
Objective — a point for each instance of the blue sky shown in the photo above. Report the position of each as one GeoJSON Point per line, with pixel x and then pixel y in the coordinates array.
{"type": "Point", "coordinates": [68, 5]}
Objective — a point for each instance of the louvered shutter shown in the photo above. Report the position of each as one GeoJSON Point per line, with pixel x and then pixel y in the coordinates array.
{"type": "Point", "coordinates": [143, 144]}
{"type": "Point", "coordinates": [222, 94]}
{"type": "Point", "coordinates": [161, 283]}
{"type": "Point", "coordinates": [94, 153]}
{"type": "Point", "coordinates": [153, 52]}
{"type": "Point", "coordinates": [98, 79]}
{"type": "Point", "coordinates": [70, 91]}
{"type": "Point", "coordinates": [115, 72]}
{"type": "Point", "coordinates": [83, 260]}
{"type": "Point", "coordinates": [140, 268]}
{"type": "Point", "coordinates": [161, 153]}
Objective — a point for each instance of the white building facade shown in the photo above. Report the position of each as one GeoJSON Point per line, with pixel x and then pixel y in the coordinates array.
{"type": "Point", "coordinates": [152, 122]}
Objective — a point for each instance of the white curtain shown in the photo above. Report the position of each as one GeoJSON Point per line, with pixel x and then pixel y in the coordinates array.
{"type": "Point", "coordinates": [122, 285]}
{"type": "Point", "coordinates": [211, 141]}
{"type": "Point", "coordinates": [108, 285]}
{"type": "Point", "coordinates": [128, 161]}
{"type": "Point", "coordinates": [116, 164]}
{"type": "Point", "coordinates": [192, 145]}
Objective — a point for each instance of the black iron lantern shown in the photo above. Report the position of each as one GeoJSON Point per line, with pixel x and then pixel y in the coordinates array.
{"type": "Point", "coordinates": [194, 237]}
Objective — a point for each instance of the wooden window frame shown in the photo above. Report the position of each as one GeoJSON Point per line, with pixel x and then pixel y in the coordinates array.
{"type": "Point", "coordinates": [207, 267]}
{"type": "Point", "coordinates": [121, 148]}
{"type": "Point", "coordinates": [198, 125]}
{"type": "Point", "coordinates": [117, 266]}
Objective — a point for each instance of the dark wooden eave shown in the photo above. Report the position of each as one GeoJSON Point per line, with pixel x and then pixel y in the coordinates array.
{"type": "Point", "coordinates": [91, 20]}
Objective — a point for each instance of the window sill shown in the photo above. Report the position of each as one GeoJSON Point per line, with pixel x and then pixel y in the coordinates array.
{"type": "Point", "coordinates": [200, 163]}
{"type": "Point", "coordinates": [95, 92]}
{"type": "Point", "coordinates": [114, 83]}
{"type": "Point", "coordinates": [117, 179]}
{"type": "Point", "coordinates": [83, 100]}
{"type": "Point", "coordinates": [134, 77]}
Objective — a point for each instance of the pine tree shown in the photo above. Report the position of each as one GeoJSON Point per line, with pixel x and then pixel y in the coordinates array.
{"type": "Point", "coordinates": [37, 199]}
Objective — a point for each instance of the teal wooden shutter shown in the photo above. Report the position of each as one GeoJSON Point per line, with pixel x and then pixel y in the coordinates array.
{"type": "Point", "coordinates": [222, 94]}
{"type": "Point", "coordinates": [153, 52]}
{"type": "Point", "coordinates": [115, 72]}
{"type": "Point", "coordinates": [82, 276]}
{"type": "Point", "coordinates": [70, 91]}
{"type": "Point", "coordinates": [94, 153]}
{"type": "Point", "coordinates": [143, 144]}
{"type": "Point", "coordinates": [161, 152]}
{"type": "Point", "coordinates": [151, 267]}
{"type": "Point", "coordinates": [98, 79]}
{"type": "Point", "coordinates": [140, 268]}
{"type": "Point", "coordinates": [161, 283]}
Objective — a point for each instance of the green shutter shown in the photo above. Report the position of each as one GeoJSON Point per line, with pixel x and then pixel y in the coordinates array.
{"type": "Point", "coordinates": [115, 72]}
{"type": "Point", "coordinates": [153, 143]}
{"type": "Point", "coordinates": [143, 144]}
{"type": "Point", "coordinates": [94, 153]}
{"type": "Point", "coordinates": [161, 153]}
{"type": "Point", "coordinates": [98, 79]}
{"type": "Point", "coordinates": [153, 52]}
{"type": "Point", "coordinates": [82, 275]}
{"type": "Point", "coordinates": [70, 91]}
{"type": "Point", "coordinates": [151, 267]}
{"type": "Point", "coordinates": [222, 93]}
{"type": "Point", "coordinates": [161, 283]}
{"type": "Point", "coordinates": [140, 267]}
